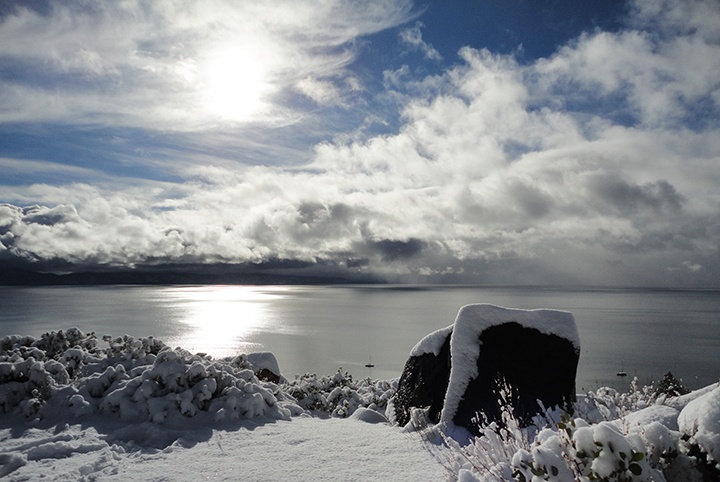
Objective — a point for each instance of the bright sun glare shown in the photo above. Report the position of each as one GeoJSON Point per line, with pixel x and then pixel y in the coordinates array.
{"type": "Point", "coordinates": [236, 85]}
{"type": "Point", "coordinates": [218, 320]}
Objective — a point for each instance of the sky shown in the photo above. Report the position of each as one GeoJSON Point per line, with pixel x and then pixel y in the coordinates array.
{"type": "Point", "coordinates": [473, 141]}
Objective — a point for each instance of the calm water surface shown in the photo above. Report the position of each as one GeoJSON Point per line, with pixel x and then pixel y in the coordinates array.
{"type": "Point", "coordinates": [318, 329]}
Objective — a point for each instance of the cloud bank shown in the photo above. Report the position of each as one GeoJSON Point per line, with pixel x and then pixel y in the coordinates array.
{"type": "Point", "coordinates": [597, 165]}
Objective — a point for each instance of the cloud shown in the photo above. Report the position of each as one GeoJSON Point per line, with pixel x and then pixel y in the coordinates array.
{"type": "Point", "coordinates": [163, 65]}
{"type": "Point", "coordinates": [412, 37]}
{"type": "Point", "coordinates": [592, 166]}
{"type": "Point", "coordinates": [664, 75]}
{"type": "Point", "coordinates": [322, 92]}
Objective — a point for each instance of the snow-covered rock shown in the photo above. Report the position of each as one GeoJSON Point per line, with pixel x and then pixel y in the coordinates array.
{"type": "Point", "coordinates": [456, 372]}
{"type": "Point", "coordinates": [265, 366]}
{"type": "Point", "coordinates": [533, 352]}
{"type": "Point", "coordinates": [424, 379]}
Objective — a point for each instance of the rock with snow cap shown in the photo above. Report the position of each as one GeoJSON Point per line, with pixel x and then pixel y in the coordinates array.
{"type": "Point", "coordinates": [533, 353]}
{"type": "Point", "coordinates": [425, 377]}
{"type": "Point", "coordinates": [455, 373]}
{"type": "Point", "coordinates": [265, 366]}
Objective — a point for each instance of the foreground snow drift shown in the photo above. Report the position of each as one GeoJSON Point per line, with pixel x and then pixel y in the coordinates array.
{"type": "Point", "coordinates": [305, 448]}
{"type": "Point", "coordinates": [73, 406]}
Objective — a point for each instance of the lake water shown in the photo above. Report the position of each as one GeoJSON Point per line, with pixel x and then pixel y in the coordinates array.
{"type": "Point", "coordinates": [319, 329]}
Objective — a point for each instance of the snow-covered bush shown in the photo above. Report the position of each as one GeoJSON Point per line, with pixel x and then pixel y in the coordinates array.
{"type": "Point", "coordinates": [670, 386]}
{"type": "Point", "coordinates": [339, 395]}
{"type": "Point", "coordinates": [24, 384]}
{"type": "Point", "coordinates": [576, 450]}
{"type": "Point", "coordinates": [636, 436]}
{"type": "Point", "coordinates": [609, 404]}
{"type": "Point", "coordinates": [143, 379]}
{"type": "Point", "coordinates": [130, 378]}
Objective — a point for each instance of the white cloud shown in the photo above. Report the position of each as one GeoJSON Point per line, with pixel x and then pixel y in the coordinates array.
{"type": "Point", "coordinates": [412, 37]}
{"type": "Point", "coordinates": [163, 64]}
{"type": "Point", "coordinates": [322, 92]}
{"type": "Point", "coordinates": [666, 77]}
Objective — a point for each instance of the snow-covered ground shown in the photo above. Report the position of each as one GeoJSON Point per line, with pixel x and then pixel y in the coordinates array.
{"type": "Point", "coordinates": [73, 407]}
{"type": "Point", "coordinates": [304, 448]}
{"type": "Point", "coordinates": [77, 407]}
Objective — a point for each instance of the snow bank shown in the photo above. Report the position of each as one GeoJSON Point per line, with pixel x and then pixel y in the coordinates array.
{"type": "Point", "coordinates": [301, 449]}
{"type": "Point", "coordinates": [700, 419]}
{"type": "Point", "coordinates": [465, 346]}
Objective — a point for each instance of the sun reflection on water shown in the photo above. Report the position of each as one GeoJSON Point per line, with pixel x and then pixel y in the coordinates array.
{"type": "Point", "coordinates": [219, 320]}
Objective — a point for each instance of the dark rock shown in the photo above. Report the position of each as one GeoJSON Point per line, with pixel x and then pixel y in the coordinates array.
{"type": "Point", "coordinates": [267, 376]}
{"type": "Point", "coordinates": [423, 383]}
{"type": "Point", "coordinates": [531, 365]}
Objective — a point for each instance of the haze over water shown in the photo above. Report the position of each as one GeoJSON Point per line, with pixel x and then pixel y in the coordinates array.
{"type": "Point", "coordinates": [319, 329]}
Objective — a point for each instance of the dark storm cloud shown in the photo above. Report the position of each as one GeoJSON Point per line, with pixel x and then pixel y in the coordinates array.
{"type": "Point", "coordinates": [393, 250]}
{"type": "Point", "coordinates": [614, 192]}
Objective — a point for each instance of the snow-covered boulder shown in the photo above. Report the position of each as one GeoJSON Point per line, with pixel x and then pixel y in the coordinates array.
{"type": "Point", "coordinates": [456, 372]}
{"type": "Point", "coordinates": [532, 353]}
{"type": "Point", "coordinates": [265, 366]}
{"type": "Point", "coordinates": [425, 377]}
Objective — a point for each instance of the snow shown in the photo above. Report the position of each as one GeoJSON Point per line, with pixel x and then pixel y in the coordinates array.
{"type": "Point", "coordinates": [134, 409]}
{"type": "Point", "coordinates": [74, 408]}
{"type": "Point", "coordinates": [264, 361]}
{"type": "Point", "coordinates": [634, 421]}
{"type": "Point", "coordinates": [304, 448]}
{"type": "Point", "coordinates": [701, 420]}
{"type": "Point", "coordinates": [432, 343]}
{"type": "Point", "coordinates": [472, 320]}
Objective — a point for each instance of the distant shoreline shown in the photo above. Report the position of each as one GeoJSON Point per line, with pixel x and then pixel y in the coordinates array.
{"type": "Point", "coordinates": [210, 275]}
{"type": "Point", "coordinates": [20, 277]}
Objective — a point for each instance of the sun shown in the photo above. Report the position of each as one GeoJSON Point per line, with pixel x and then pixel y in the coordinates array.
{"type": "Point", "coordinates": [236, 85]}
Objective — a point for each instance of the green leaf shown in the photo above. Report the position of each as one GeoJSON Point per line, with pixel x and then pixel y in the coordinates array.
{"type": "Point", "coordinates": [638, 456]}
{"type": "Point", "coordinates": [635, 469]}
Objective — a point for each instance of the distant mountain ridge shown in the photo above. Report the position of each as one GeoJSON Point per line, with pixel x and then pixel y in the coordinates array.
{"type": "Point", "coordinates": [165, 276]}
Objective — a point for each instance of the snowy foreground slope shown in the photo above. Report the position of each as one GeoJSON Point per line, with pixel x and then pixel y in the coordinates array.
{"type": "Point", "coordinates": [304, 448]}
{"type": "Point", "coordinates": [75, 407]}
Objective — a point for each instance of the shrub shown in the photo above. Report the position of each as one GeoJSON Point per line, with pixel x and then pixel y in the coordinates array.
{"type": "Point", "coordinates": [338, 395]}
{"type": "Point", "coordinates": [578, 449]}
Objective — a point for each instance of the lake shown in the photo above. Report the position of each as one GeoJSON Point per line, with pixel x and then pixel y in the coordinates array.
{"type": "Point", "coordinates": [318, 329]}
